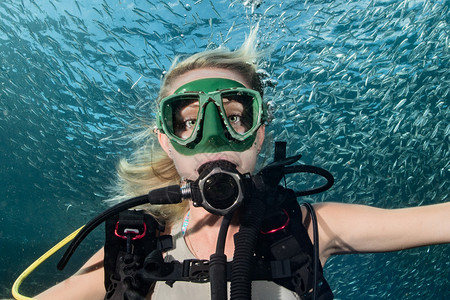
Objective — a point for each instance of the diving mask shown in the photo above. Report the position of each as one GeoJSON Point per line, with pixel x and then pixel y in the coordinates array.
{"type": "Point", "coordinates": [211, 115]}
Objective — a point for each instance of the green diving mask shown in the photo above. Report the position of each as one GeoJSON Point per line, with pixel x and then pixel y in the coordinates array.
{"type": "Point", "coordinates": [211, 115]}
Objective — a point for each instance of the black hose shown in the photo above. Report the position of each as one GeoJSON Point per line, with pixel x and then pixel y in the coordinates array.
{"type": "Point", "coordinates": [218, 263]}
{"type": "Point", "coordinates": [167, 195]}
{"type": "Point", "coordinates": [316, 247]}
{"type": "Point", "coordinates": [245, 242]}
{"type": "Point", "coordinates": [91, 225]}
{"type": "Point", "coordinates": [221, 238]}
{"type": "Point", "coordinates": [315, 170]}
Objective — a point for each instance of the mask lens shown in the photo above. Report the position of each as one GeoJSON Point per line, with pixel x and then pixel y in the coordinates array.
{"type": "Point", "coordinates": [180, 115]}
{"type": "Point", "coordinates": [242, 111]}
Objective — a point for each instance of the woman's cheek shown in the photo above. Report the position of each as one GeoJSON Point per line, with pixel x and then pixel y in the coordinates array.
{"type": "Point", "coordinates": [186, 166]}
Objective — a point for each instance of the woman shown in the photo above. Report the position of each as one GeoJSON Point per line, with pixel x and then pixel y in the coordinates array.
{"type": "Point", "coordinates": [343, 228]}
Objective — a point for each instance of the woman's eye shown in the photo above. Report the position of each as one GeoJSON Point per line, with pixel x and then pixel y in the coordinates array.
{"type": "Point", "coordinates": [189, 123]}
{"type": "Point", "coordinates": [236, 122]}
{"type": "Point", "coordinates": [234, 119]}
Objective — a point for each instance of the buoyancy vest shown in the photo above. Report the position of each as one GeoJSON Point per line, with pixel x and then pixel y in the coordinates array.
{"type": "Point", "coordinates": [134, 262]}
{"type": "Point", "coordinates": [261, 290]}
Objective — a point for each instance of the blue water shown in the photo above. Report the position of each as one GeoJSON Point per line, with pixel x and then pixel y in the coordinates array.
{"type": "Point", "coordinates": [363, 90]}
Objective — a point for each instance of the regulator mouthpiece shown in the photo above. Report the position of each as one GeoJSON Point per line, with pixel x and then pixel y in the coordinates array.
{"type": "Point", "coordinates": [219, 188]}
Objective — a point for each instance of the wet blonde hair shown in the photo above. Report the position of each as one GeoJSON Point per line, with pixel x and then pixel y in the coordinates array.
{"type": "Point", "coordinates": [149, 167]}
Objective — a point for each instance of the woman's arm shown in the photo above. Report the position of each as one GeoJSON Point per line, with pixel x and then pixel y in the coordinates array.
{"type": "Point", "coordinates": [89, 286]}
{"type": "Point", "coordinates": [350, 228]}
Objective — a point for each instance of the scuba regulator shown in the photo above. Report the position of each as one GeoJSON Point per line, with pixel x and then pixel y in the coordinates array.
{"type": "Point", "coordinates": [221, 189]}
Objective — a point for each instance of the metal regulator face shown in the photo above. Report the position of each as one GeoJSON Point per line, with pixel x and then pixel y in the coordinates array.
{"type": "Point", "coordinates": [219, 189]}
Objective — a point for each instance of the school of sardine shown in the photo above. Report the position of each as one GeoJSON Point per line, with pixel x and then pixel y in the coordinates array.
{"type": "Point", "coordinates": [360, 88]}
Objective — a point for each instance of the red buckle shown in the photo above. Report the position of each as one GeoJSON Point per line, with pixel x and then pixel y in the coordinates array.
{"type": "Point", "coordinates": [130, 231]}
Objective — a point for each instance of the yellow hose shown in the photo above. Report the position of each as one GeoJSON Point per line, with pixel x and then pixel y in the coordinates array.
{"type": "Point", "coordinates": [21, 278]}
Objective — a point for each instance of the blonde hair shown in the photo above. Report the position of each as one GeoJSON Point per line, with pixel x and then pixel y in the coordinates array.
{"type": "Point", "coordinates": [149, 167]}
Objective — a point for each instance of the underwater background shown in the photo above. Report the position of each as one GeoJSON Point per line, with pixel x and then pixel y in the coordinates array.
{"type": "Point", "coordinates": [360, 88]}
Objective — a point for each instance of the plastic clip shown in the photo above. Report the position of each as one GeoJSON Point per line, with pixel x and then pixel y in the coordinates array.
{"type": "Point", "coordinates": [130, 232]}
{"type": "Point", "coordinates": [196, 270]}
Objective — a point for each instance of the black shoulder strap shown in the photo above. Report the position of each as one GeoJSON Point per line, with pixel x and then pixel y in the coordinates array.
{"type": "Point", "coordinates": [284, 237]}
{"type": "Point", "coordinates": [129, 237]}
